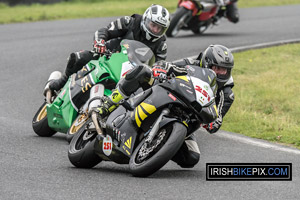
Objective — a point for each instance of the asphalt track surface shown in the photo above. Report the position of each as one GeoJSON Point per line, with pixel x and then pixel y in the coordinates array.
{"type": "Point", "coordinates": [32, 167]}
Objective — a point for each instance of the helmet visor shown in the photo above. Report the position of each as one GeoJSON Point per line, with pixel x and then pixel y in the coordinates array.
{"type": "Point", "coordinates": [222, 72]}
{"type": "Point", "coordinates": [154, 28]}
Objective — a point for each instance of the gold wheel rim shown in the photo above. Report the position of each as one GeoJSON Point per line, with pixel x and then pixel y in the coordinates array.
{"type": "Point", "coordinates": [78, 123]}
{"type": "Point", "coordinates": [42, 114]}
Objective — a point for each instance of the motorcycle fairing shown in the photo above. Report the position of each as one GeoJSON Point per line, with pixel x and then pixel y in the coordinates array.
{"type": "Point", "coordinates": [119, 126]}
{"type": "Point", "coordinates": [179, 91]}
{"type": "Point", "coordinates": [79, 90]}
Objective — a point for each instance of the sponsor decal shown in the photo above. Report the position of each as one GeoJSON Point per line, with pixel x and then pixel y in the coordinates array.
{"type": "Point", "coordinates": [107, 145]}
{"type": "Point", "coordinates": [126, 67]}
{"type": "Point", "coordinates": [189, 91]}
{"type": "Point", "coordinates": [96, 89]}
{"type": "Point", "coordinates": [184, 85]}
{"type": "Point", "coordinates": [172, 97]}
{"type": "Point", "coordinates": [203, 92]}
{"type": "Point", "coordinates": [57, 115]}
{"type": "Point", "coordinates": [126, 150]}
{"type": "Point", "coordinates": [128, 143]}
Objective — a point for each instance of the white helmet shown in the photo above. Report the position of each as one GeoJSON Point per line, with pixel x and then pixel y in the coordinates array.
{"type": "Point", "coordinates": [155, 22]}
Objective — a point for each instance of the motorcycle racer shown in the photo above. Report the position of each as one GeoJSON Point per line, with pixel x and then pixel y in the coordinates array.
{"type": "Point", "coordinates": [220, 59]}
{"type": "Point", "coordinates": [229, 10]}
{"type": "Point", "coordinates": [217, 58]}
{"type": "Point", "coordinates": [149, 29]}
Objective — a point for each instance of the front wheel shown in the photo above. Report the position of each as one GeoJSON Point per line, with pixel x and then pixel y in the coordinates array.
{"type": "Point", "coordinates": [199, 30]}
{"type": "Point", "coordinates": [40, 122]}
{"type": "Point", "coordinates": [81, 150]}
{"type": "Point", "coordinates": [76, 125]}
{"type": "Point", "coordinates": [148, 158]}
{"type": "Point", "coordinates": [180, 18]}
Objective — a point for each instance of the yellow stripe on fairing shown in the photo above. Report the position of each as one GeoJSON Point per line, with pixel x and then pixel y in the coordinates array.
{"type": "Point", "coordinates": [148, 107]}
{"type": "Point", "coordinates": [137, 120]}
{"type": "Point", "coordinates": [183, 78]}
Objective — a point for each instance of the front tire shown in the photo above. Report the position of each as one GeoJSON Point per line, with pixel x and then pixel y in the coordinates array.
{"type": "Point", "coordinates": [172, 137]}
{"type": "Point", "coordinates": [199, 30]}
{"type": "Point", "coordinates": [81, 150]}
{"type": "Point", "coordinates": [180, 18]}
{"type": "Point", "coordinates": [40, 122]}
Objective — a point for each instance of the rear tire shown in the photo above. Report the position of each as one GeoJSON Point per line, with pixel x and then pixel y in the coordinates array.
{"type": "Point", "coordinates": [180, 17]}
{"type": "Point", "coordinates": [40, 122]}
{"type": "Point", "coordinates": [81, 150]}
{"type": "Point", "coordinates": [170, 143]}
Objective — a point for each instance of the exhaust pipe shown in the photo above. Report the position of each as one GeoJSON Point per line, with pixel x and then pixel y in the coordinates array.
{"type": "Point", "coordinates": [96, 93]}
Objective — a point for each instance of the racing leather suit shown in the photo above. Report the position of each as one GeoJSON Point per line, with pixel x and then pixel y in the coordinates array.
{"type": "Point", "coordinates": [189, 154]}
{"type": "Point", "coordinates": [123, 28]}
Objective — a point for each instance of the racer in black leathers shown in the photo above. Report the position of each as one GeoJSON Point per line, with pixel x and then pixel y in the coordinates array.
{"type": "Point", "coordinates": [215, 56]}
{"type": "Point", "coordinates": [224, 96]}
{"type": "Point", "coordinates": [135, 27]}
{"type": "Point", "coordinates": [229, 11]}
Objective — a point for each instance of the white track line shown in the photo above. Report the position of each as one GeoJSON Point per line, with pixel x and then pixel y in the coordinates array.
{"type": "Point", "coordinates": [256, 142]}
{"type": "Point", "coordinates": [257, 46]}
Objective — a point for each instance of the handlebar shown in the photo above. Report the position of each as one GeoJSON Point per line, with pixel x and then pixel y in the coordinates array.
{"type": "Point", "coordinates": [107, 53]}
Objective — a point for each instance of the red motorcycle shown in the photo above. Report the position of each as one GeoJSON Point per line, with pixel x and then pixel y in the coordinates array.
{"type": "Point", "coordinates": [196, 15]}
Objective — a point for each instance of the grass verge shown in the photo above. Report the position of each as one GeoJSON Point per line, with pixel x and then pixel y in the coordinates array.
{"type": "Point", "coordinates": [267, 93]}
{"type": "Point", "coordinates": [100, 8]}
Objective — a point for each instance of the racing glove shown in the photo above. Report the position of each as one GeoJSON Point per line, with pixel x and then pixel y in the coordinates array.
{"type": "Point", "coordinates": [214, 126]}
{"type": "Point", "coordinates": [171, 68]}
{"type": "Point", "coordinates": [158, 71]}
{"type": "Point", "coordinates": [99, 46]}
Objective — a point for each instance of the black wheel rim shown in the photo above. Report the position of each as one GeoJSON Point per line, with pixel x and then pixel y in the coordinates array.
{"type": "Point", "coordinates": [84, 139]}
{"type": "Point", "coordinates": [146, 150]}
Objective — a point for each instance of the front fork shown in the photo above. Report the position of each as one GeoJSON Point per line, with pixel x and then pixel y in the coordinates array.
{"type": "Point", "coordinates": [155, 128]}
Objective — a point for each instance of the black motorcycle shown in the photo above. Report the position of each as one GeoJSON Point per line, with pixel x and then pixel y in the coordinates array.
{"type": "Point", "coordinates": [147, 130]}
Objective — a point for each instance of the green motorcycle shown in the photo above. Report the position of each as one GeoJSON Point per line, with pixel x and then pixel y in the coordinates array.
{"type": "Point", "coordinates": [67, 110]}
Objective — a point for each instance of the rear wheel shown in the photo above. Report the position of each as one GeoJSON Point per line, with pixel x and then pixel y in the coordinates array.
{"type": "Point", "coordinates": [180, 18]}
{"type": "Point", "coordinates": [40, 122]}
{"type": "Point", "coordinates": [148, 158]}
{"type": "Point", "coordinates": [76, 125]}
{"type": "Point", "coordinates": [81, 150]}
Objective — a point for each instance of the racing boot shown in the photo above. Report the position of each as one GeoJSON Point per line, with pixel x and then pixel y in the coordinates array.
{"type": "Point", "coordinates": [110, 103]}
{"type": "Point", "coordinates": [59, 83]}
